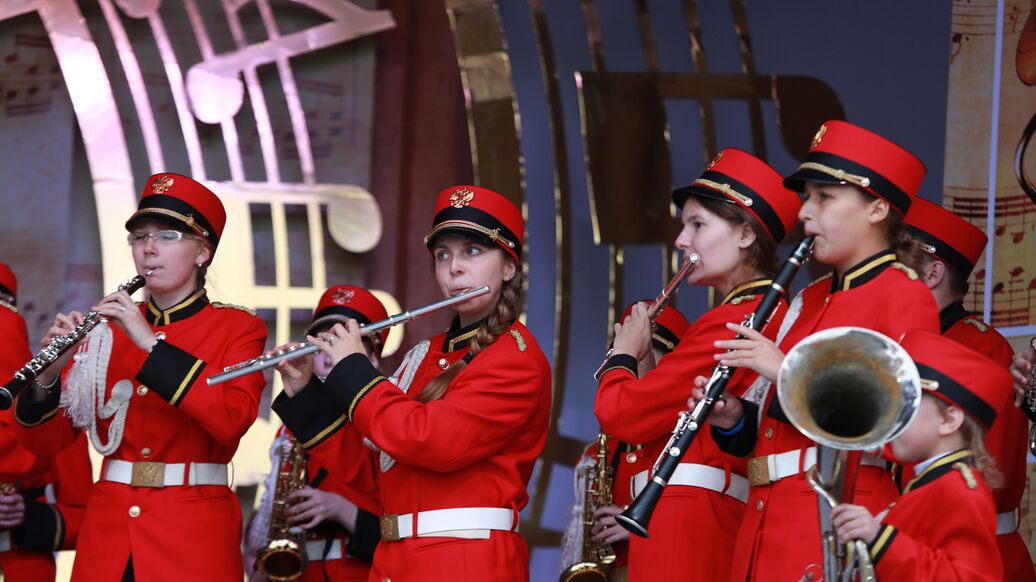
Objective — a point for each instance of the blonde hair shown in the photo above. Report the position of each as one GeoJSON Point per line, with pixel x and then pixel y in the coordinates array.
{"type": "Point", "coordinates": [974, 435]}
{"type": "Point", "coordinates": [498, 322]}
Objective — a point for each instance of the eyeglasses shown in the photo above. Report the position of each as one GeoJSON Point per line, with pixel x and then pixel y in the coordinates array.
{"type": "Point", "coordinates": [162, 237]}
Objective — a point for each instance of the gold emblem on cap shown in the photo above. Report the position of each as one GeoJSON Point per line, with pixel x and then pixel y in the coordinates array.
{"type": "Point", "coordinates": [342, 296]}
{"type": "Point", "coordinates": [461, 198]}
{"type": "Point", "coordinates": [162, 184]}
{"type": "Point", "coordinates": [818, 137]}
{"type": "Point", "coordinates": [714, 161]}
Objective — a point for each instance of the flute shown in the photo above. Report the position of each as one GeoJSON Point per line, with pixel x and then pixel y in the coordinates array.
{"type": "Point", "coordinates": [300, 349]}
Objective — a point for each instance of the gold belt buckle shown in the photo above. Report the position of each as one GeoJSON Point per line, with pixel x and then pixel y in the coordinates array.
{"type": "Point", "coordinates": [758, 471]}
{"type": "Point", "coordinates": [148, 474]}
{"type": "Point", "coordinates": [390, 528]}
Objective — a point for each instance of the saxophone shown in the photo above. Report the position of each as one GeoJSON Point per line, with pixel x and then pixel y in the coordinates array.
{"type": "Point", "coordinates": [595, 556]}
{"type": "Point", "coordinates": [284, 556]}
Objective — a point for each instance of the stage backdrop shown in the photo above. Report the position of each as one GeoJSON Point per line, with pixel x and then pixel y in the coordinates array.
{"type": "Point", "coordinates": [586, 112]}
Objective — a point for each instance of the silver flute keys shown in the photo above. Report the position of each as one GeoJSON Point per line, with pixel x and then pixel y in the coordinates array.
{"type": "Point", "coordinates": [301, 349]}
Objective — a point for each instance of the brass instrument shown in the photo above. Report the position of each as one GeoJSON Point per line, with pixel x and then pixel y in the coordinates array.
{"type": "Point", "coordinates": [58, 346]}
{"type": "Point", "coordinates": [298, 350]}
{"type": "Point", "coordinates": [1030, 399]}
{"type": "Point", "coordinates": [595, 556]}
{"type": "Point", "coordinates": [848, 389]}
{"type": "Point", "coordinates": [284, 557]}
{"type": "Point", "coordinates": [660, 303]}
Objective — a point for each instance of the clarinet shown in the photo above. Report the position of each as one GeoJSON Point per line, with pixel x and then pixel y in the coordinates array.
{"type": "Point", "coordinates": [1029, 406]}
{"type": "Point", "coordinates": [57, 347]}
{"type": "Point", "coordinates": [637, 516]}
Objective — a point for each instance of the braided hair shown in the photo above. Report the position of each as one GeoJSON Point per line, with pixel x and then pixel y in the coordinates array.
{"type": "Point", "coordinates": [497, 324]}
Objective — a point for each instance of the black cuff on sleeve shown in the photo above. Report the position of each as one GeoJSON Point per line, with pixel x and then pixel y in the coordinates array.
{"type": "Point", "coordinates": [365, 539]}
{"type": "Point", "coordinates": [310, 415]}
{"type": "Point", "coordinates": [623, 361]}
{"type": "Point", "coordinates": [43, 529]}
{"type": "Point", "coordinates": [741, 443]}
{"type": "Point", "coordinates": [350, 380]}
{"type": "Point", "coordinates": [36, 405]}
{"type": "Point", "coordinates": [170, 372]}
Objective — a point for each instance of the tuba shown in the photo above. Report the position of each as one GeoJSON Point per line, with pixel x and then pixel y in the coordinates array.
{"type": "Point", "coordinates": [595, 557]}
{"type": "Point", "coordinates": [849, 389]}
{"type": "Point", "coordinates": [284, 557]}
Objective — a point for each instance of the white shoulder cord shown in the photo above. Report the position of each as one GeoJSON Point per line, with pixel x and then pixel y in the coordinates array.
{"type": "Point", "coordinates": [572, 538]}
{"type": "Point", "coordinates": [86, 386]}
{"type": "Point", "coordinates": [759, 389]}
{"type": "Point", "coordinates": [403, 378]}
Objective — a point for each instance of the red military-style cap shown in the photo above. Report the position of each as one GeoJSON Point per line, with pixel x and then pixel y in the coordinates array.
{"type": "Point", "coordinates": [8, 282]}
{"type": "Point", "coordinates": [344, 302]}
{"type": "Point", "coordinates": [481, 214]}
{"type": "Point", "coordinates": [942, 233]}
{"type": "Point", "coordinates": [843, 153]}
{"type": "Point", "coordinates": [183, 204]}
{"type": "Point", "coordinates": [959, 375]}
{"type": "Point", "coordinates": [670, 326]}
{"type": "Point", "coordinates": [738, 177]}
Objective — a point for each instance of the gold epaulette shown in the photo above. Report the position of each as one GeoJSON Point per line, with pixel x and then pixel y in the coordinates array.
{"type": "Point", "coordinates": [518, 339]}
{"type": "Point", "coordinates": [965, 472]}
{"type": "Point", "coordinates": [976, 323]}
{"type": "Point", "coordinates": [219, 305]}
{"type": "Point", "coordinates": [8, 306]}
{"type": "Point", "coordinates": [742, 299]}
{"type": "Point", "coordinates": [910, 273]}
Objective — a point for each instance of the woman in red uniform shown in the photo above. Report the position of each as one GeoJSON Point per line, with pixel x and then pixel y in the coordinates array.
{"type": "Point", "coordinates": [162, 509]}
{"type": "Point", "coordinates": [462, 426]}
{"type": "Point", "coordinates": [625, 460]}
{"type": "Point", "coordinates": [733, 217]}
{"type": "Point", "coordinates": [341, 535]}
{"type": "Point", "coordinates": [857, 186]}
{"type": "Point", "coordinates": [41, 498]}
{"type": "Point", "coordinates": [945, 250]}
{"type": "Point", "coordinates": [943, 527]}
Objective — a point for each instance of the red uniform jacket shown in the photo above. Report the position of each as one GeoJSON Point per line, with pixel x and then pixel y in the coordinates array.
{"type": "Point", "coordinates": [55, 489]}
{"type": "Point", "coordinates": [692, 529]}
{"type": "Point", "coordinates": [174, 532]}
{"type": "Point", "coordinates": [1007, 439]}
{"type": "Point", "coordinates": [780, 534]}
{"type": "Point", "coordinates": [942, 528]}
{"type": "Point", "coordinates": [475, 447]}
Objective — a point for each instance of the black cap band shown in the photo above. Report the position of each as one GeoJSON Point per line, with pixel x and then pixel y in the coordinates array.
{"type": "Point", "coordinates": [876, 182]}
{"type": "Point", "coordinates": [943, 251]}
{"type": "Point", "coordinates": [956, 392]}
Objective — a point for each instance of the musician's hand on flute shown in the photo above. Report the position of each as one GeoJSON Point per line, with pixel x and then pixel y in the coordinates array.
{"type": "Point", "coordinates": [340, 341]}
{"type": "Point", "coordinates": [295, 374]}
{"type": "Point", "coordinates": [606, 529]}
{"type": "Point", "coordinates": [727, 411]}
{"type": "Point", "coordinates": [753, 351]}
{"type": "Point", "coordinates": [1021, 367]}
{"type": "Point", "coordinates": [633, 335]}
{"type": "Point", "coordinates": [854, 522]}
{"type": "Point", "coordinates": [120, 309]}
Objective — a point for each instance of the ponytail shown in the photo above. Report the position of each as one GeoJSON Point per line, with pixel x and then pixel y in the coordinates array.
{"type": "Point", "coordinates": [497, 324]}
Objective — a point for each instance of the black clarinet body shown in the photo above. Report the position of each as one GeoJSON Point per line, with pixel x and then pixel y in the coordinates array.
{"type": "Point", "coordinates": [637, 516]}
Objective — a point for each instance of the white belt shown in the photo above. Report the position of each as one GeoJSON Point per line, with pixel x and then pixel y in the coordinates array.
{"type": "Point", "coordinates": [315, 550]}
{"type": "Point", "coordinates": [772, 468]}
{"type": "Point", "coordinates": [695, 475]}
{"type": "Point", "coordinates": [5, 541]}
{"type": "Point", "coordinates": [148, 474]}
{"type": "Point", "coordinates": [460, 522]}
{"type": "Point", "coordinates": [1007, 522]}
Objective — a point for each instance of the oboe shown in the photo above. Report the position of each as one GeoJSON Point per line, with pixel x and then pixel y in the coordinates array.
{"type": "Point", "coordinates": [300, 349]}
{"type": "Point", "coordinates": [58, 346]}
{"type": "Point", "coordinates": [637, 516]}
{"type": "Point", "coordinates": [661, 302]}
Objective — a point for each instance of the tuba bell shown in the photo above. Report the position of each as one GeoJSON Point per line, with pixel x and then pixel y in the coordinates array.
{"type": "Point", "coordinates": [849, 389]}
